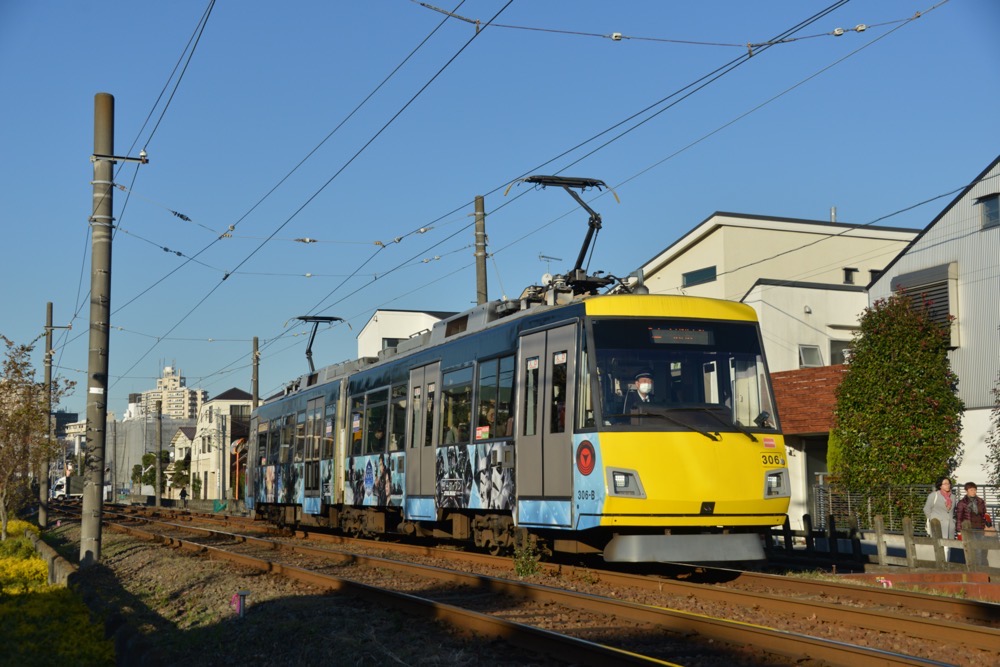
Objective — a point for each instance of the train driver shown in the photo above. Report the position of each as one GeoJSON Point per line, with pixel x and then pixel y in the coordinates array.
{"type": "Point", "coordinates": [642, 394]}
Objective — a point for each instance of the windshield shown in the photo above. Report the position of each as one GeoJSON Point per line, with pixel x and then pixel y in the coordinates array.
{"type": "Point", "coordinates": [682, 375]}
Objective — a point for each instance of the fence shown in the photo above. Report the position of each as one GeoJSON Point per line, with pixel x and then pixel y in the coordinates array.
{"type": "Point", "coordinates": [895, 504]}
{"type": "Point", "coordinates": [889, 548]}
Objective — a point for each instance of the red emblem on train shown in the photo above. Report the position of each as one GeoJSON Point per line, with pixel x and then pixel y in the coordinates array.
{"type": "Point", "coordinates": [586, 458]}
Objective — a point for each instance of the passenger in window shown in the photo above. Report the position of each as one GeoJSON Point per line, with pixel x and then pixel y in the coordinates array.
{"type": "Point", "coordinates": [376, 440]}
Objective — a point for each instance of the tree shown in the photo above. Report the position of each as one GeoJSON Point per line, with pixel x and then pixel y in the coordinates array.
{"type": "Point", "coordinates": [180, 474]}
{"type": "Point", "coordinates": [898, 416]}
{"type": "Point", "coordinates": [24, 442]}
{"type": "Point", "coordinates": [145, 473]}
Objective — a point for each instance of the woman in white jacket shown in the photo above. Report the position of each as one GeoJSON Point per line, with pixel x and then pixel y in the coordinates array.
{"type": "Point", "coordinates": [941, 506]}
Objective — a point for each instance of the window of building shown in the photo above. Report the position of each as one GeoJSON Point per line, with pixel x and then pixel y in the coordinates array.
{"type": "Point", "coordinates": [991, 210]}
{"type": "Point", "coordinates": [936, 290]}
{"type": "Point", "coordinates": [873, 275]}
{"type": "Point", "coordinates": [840, 351]}
{"type": "Point", "coordinates": [391, 342]}
{"type": "Point", "coordinates": [698, 277]}
{"type": "Point", "coordinates": [810, 356]}
{"type": "Point", "coordinates": [849, 274]}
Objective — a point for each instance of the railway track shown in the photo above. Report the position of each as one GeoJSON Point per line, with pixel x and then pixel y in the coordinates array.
{"type": "Point", "coordinates": [767, 591]}
{"type": "Point", "coordinates": [651, 632]}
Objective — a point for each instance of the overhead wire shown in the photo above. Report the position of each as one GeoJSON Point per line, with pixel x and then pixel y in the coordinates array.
{"type": "Point", "coordinates": [706, 136]}
{"type": "Point", "coordinates": [324, 186]}
{"type": "Point", "coordinates": [294, 169]}
{"type": "Point", "coordinates": [618, 36]}
{"type": "Point", "coordinates": [189, 51]}
{"type": "Point", "coordinates": [790, 31]}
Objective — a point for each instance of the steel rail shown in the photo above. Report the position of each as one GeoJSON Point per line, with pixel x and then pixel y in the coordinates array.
{"type": "Point", "coordinates": [921, 628]}
{"type": "Point", "coordinates": [789, 644]}
{"type": "Point", "coordinates": [553, 644]}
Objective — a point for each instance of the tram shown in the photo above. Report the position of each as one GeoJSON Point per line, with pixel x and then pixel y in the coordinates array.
{"type": "Point", "coordinates": [520, 424]}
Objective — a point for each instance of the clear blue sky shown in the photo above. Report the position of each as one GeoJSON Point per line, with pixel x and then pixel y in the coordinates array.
{"type": "Point", "coordinates": [910, 117]}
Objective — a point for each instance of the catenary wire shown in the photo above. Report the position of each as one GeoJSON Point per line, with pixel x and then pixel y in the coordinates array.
{"type": "Point", "coordinates": [813, 18]}
{"type": "Point", "coordinates": [322, 188]}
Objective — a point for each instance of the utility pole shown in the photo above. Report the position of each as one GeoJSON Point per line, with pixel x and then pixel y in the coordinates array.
{"type": "Point", "coordinates": [481, 294]}
{"type": "Point", "coordinates": [253, 379]}
{"type": "Point", "coordinates": [101, 221]}
{"type": "Point", "coordinates": [43, 481]}
{"type": "Point", "coordinates": [159, 448]}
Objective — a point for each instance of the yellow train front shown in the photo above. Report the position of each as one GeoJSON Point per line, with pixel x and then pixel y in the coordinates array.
{"type": "Point", "coordinates": [675, 451]}
{"type": "Point", "coordinates": [637, 426]}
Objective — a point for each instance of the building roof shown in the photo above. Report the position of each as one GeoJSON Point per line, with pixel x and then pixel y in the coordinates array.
{"type": "Point", "coordinates": [717, 220]}
{"type": "Point", "coordinates": [798, 284]}
{"type": "Point", "coordinates": [916, 239]}
{"type": "Point", "coordinates": [440, 314]}
{"type": "Point", "coordinates": [188, 431]}
{"type": "Point", "coordinates": [232, 394]}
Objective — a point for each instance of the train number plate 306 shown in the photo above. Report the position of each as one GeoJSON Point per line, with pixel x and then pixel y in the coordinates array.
{"type": "Point", "coordinates": [772, 459]}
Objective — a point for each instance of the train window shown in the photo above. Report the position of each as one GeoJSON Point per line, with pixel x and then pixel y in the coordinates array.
{"type": "Point", "coordinates": [397, 418]}
{"type": "Point", "coordinates": [300, 436]}
{"type": "Point", "coordinates": [705, 373]}
{"type": "Point", "coordinates": [314, 429]}
{"type": "Point", "coordinates": [417, 416]}
{"type": "Point", "coordinates": [456, 406]}
{"type": "Point", "coordinates": [429, 412]}
{"type": "Point", "coordinates": [262, 443]}
{"type": "Point", "coordinates": [557, 407]}
{"type": "Point", "coordinates": [584, 400]}
{"type": "Point", "coordinates": [329, 429]}
{"type": "Point", "coordinates": [287, 439]}
{"type": "Point", "coordinates": [496, 385]}
{"type": "Point", "coordinates": [485, 427]}
{"type": "Point", "coordinates": [376, 419]}
{"type": "Point", "coordinates": [357, 430]}
{"type": "Point", "coordinates": [505, 397]}
{"type": "Point", "coordinates": [274, 442]}
{"type": "Point", "coordinates": [530, 395]}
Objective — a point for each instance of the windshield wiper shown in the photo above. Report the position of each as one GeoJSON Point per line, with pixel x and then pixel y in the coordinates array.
{"type": "Point", "coordinates": [738, 426]}
{"type": "Point", "coordinates": [676, 422]}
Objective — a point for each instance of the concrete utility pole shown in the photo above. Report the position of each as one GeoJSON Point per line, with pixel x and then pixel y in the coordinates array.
{"type": "Point", "coordinates": [43, 478]}
{"type": "Point", "coordinates": [481, 294]}
{"type": "Point", "coordinates": [253, 379]}
{"type": "Point", "coordinates": [159, 448]}
{"type": "Point", "coordinates": [101, 221]}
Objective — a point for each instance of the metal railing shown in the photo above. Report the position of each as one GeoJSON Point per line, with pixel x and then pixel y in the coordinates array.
{"type": "Point", "coordinates": [895, 503]}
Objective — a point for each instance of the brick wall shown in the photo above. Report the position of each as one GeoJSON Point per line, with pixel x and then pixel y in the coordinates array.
{"type": "Point", "coordinates": [806, 398]}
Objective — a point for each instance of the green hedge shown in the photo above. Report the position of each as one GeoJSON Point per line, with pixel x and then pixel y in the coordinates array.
{"type": "Point", "coordinates": [40, 624]}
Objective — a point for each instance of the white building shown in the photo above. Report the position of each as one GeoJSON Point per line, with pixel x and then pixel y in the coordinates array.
{"type": "Point", "coordinates": [222, 422]}
{"type": "Point", "coordinates": [954, 263]}
{"type": "Point", "coordinates": [388, 328]}
{"type": "Point", "coordinates": [175, 397]}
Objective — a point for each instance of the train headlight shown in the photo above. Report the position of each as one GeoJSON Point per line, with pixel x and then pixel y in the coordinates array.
{"type": "Point", "coordinates": [625, 483]}
{"type": "Point", "coordinates": [776, 484]}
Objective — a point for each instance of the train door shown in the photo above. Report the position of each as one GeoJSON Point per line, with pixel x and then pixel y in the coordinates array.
{"type": "Point", "coordinates": [545, 390]}
{"type": "Point", "coordinates": [420, 451]}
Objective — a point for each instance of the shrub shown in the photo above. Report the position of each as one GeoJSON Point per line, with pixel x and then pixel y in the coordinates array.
{"type": "Point", "coordinates": [51, 627]}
